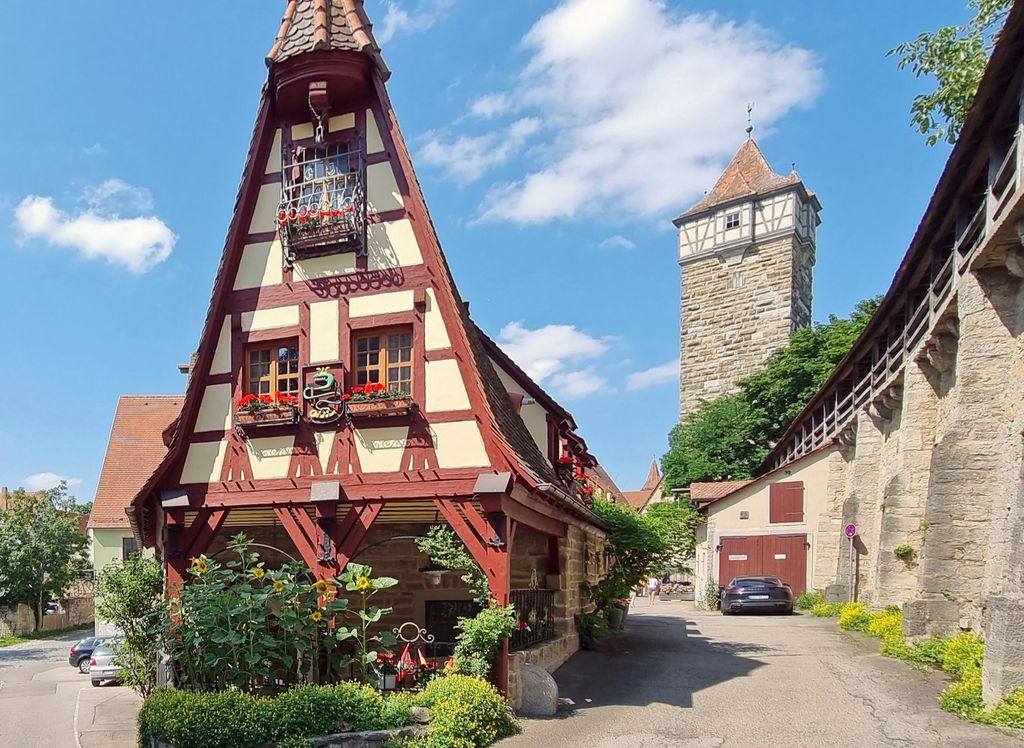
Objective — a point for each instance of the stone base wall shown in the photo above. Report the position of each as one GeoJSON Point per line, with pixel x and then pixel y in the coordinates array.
{"type": "Point", "coordinates": [20, 619]}
{"type": "Point", "coordinates": [549, 655]}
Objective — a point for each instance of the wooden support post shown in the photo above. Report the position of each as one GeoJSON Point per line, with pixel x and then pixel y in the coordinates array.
{"type": "Point", "coordinates": [348, 536]}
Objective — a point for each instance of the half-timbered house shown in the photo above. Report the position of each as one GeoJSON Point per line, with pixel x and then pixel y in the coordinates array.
{"type": "Point", "coordinates": [341, 400]}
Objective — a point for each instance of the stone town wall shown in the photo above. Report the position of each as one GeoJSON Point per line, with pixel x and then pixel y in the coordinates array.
{"type": "Point", "coordinates": [726, 332]}
{"type": "Point", "coordinates": [19, 619]}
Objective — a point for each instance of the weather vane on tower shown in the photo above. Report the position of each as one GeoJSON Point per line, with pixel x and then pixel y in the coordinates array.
{"type": "Point", "coordinates": [750, 126]}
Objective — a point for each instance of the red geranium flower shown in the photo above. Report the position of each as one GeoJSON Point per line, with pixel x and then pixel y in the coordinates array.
{"type": "Point", "coordinates": [379, 387]}
{"type": "Point", "coordinates": [565, 460]}
{"type": "Point", "coordinates": [266, 399]}
{"type": "Point", "coordinates": [346, 396]}
{"type": "Point", "coordinates": [357, 390]}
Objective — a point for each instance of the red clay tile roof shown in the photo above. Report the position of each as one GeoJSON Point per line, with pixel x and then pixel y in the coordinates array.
{"type": "Point", "coordinates": [707, 492]}
{"type": "Point", "coordinates": [310, 25]}
{"type": "Point", "coordinates": [637, 499]}
{"type": "Point", "coordinates": [135, 449]}
{"type": "Point", "coordinates": [747, 174]}
{"type": "Point", "coordinates": [653, 477]}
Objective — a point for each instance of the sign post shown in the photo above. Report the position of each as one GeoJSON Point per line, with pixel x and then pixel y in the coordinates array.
{"type": "Point", "coordinates": [851, 533]}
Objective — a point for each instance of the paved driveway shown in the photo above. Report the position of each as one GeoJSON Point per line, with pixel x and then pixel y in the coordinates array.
{"type": "Point", "coordinates": [46, 703]}
{"type": "Point", "coordinates": [681, 677]}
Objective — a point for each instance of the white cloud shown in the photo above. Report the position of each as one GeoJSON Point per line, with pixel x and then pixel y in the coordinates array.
{"type": "Point", "coordinates": [99, 231]}
{"type": "Point", "coordinates": [548, 350]}
{"type": "Point", "coordinates": [576, 384]}
{"type": "Point", "coordinates": [661, 374]}
{"type": "Point", "coordinates": [470, 157]}
{"type": "Point", "coordinates": [96, 149]}
{"type": "Point", "coordinates": [617, 242]}
{"type": "Point", "coordinates": [639, 106]}
{"type": "Point", "coordinates": [46, 481]}
{"type": "Point", "coordinates": [490, 105]}
{"type": "Point", "coordinates": [399, 19]}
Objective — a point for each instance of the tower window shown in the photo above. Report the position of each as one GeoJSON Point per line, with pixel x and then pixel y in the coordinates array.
{"type": "Point", "coordinates": [732, 220]}
{"type": "Point", "coordinates": [737, 279]}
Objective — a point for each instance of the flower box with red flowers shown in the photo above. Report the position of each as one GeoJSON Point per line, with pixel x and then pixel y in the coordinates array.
{"type": "Point", "coordinates": [256, 411]}
{"type": "Point", "coordinates": [310, 231]}
{"type": "Point", "coordinates": [376, 400]}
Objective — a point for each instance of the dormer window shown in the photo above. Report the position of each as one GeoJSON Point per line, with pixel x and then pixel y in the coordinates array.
{"type": "Point", "coordinates": [323, 203]}
{"type": "Point", "coordinates": [732, 220]}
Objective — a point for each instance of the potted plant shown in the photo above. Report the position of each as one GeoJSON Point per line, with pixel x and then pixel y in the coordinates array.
{"type": "Point", "coordinates": [266, 410]}
{"type": "Point", "coordinates": [376, 400]}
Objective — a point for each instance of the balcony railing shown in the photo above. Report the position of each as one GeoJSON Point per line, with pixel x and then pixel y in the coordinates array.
{"type": "Point", "coordinates": [323, 203]}
{"type": "Point", "coordinates": [535, 610]}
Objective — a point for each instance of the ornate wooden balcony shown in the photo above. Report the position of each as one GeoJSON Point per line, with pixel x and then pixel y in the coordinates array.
{"type": "Point", "coordinates": [323, 202]}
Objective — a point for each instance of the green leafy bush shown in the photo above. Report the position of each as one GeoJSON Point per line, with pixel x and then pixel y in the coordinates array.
{"type": "Point", "coordinates": [465, 712]}
{"type": "Point", "coordinates": [932, 650]}
{"type": "Point", "coordinates": [231, 719]}
{"type": "Point", "coordinates": [1009, 712]}
{"type": "Point", "coordinates": [826, 610]}
{"type": "Point", "coordinates": [592, 628]}
{"type": "Point", "coordinates": [476, 647]}
{"type": "Point", "coordinates": [808, 600]}
{"type": "Point", "coordinates": [904, 552]}
{"type": "Point", "coordinates": [963, 697]}
{"type": "Point", "coordinates": [855, 617]}
{"type": "Point", "coordinates": [963, 656]}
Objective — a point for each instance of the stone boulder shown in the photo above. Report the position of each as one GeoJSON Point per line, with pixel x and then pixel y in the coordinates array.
{"type": "Point", "coordinates": [538, 692]}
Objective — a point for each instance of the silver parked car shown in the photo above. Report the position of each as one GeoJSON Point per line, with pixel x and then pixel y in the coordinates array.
{"type": "Point", "coordinates": [101, 666]}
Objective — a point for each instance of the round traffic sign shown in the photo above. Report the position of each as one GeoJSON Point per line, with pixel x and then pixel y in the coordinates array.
{"type": "Point", "coordinates": [851, 530]}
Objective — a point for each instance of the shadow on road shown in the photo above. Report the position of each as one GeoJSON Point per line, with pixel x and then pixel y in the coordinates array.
{"type": "Point", "coordinates": [659, 659]}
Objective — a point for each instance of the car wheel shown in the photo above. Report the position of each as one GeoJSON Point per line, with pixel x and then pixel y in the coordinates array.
{"type": "Point", "coordinates": [83, 665]}
{"type": "Point", "coordinates": [726, 612]}
{"type": "Point", "coordinates": [97, 683]}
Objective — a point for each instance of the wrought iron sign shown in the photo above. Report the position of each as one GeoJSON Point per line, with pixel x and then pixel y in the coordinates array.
{"type": "Point", "coordinates": [322, 396]}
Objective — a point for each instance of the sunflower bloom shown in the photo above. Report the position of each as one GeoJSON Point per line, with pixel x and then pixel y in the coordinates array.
{"type": "Point", "coordinates": [363, 583]}
{"type": "Point", "coordinates": [258, 573]}
{"type": "Point", "coordinates": [200, 566]}
{"type": "Point", "coordinates": [278, 585]}
{"type": "Point", "coordinates": [322, 587]}
{"type": "Point", "coordinates": [317, 616]}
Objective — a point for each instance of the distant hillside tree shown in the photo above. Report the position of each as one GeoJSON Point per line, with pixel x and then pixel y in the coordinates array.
{"type": "Point", "coordinates": [729, 437]}
{"type": "Point", "coordinates": [40, 548]}
{"type": "Point", "coordinates": [956, 57]}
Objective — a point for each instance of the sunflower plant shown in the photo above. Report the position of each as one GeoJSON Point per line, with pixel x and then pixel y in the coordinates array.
{"type": "Point", "coordinates": [358, 579]}
{"type": "Point", "coordinates": [241, 625]}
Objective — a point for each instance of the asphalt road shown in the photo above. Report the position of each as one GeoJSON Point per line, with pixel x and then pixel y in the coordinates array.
{"type": "Point", "coordinates": [691, 679]}
{"type": "Point", "coordinates": [46, 703]}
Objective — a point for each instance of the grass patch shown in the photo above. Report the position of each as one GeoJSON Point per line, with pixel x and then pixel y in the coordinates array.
{"type": "Point", "coordinates": [11, 639]}
{"type": "Point", "coordinates": [808, 600]}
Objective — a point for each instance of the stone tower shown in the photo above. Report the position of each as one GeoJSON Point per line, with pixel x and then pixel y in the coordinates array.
{"type": "Point", "coordinates": [746, 251]}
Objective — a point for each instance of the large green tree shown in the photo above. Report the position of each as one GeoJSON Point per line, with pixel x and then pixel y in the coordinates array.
{"type": "Point", "coordinates": [955, 56]}
{"type": "Point", "coordinates": [41, 549]}
{"type": "Point", "coordinates": [728, 438]}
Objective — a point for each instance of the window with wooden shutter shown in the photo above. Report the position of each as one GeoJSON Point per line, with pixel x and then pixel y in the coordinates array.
{"type": "Point", "coordinates": [786, 502]}
{"type": "Point", "coordinates": [385, 357]}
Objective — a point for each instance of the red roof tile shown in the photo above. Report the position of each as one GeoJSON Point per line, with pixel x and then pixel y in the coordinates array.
{"type": "Point", "coordinates": [135, 449]}
{"type": "Point", "coordinates": [747, 174]}
{"type": "Point", "coordinates": [706, 492]}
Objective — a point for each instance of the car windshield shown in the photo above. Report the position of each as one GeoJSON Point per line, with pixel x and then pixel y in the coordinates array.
{"type": "Point", "coordinates": [85, 643]}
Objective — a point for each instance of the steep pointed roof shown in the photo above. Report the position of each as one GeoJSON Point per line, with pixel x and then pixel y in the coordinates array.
{"type": "Point", "coordinates": [310, 25]}
{"type": "Point", "coordinates": [747, 174]}
{"type": "Point", "coordinates": [653, 477]}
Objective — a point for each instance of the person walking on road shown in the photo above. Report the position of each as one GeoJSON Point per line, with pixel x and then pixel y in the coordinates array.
{"type": "Point", "coordinates": [653, 587]}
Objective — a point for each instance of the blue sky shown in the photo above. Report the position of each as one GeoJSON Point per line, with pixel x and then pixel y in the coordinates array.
{"type": "Point", "coordinates": [555, 141]}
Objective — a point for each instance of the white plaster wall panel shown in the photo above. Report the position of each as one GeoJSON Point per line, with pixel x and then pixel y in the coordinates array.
{"type": "Point", "coordinates": [341, 122]}
{"type": "Point", "coordinates": [510, 384]}
{"type": "Point", "coordinates": [264, 216]}
{"type": "Point", "coordinates": [381, 303]}
{"type": "Point", "coordinates": [536, 419]}
{"type": "Point", "coordinates": [325, 267]}
{"type": "Point", "coordinates": [270, 319]}
{"type": "Point", "coordinates": [392, 244]}
{"type": "Point", "coordinates": [323, 331]}
{"type": "Point", "coordinates": [260, 265]}
{"type": "Point", "coordinates": [380, 449]}
{"type": "Point", "coordinates": [374, 143]}
{"type": "Point", "coordinates": [203, 462]}
{"type": "Point", "coordinates": [435, 333]}
{"type": "Point", "coordinates": [221, 363]}
{"type": "Point", "coordinates": [270, 456]}
{"type": "Point", "coordinates": [215, 409]}
{"type": "Point", "coordinates": [274, 159]}
{"type": "Point", "coordinates": [302, 131]}
{"type": "Point", "coordinates": [381, 188]}
{"type": "Point", "coordinates": [324, 445]}
{"type": "Point", "coordinates": [459, 445]}
{"type": "Point", "coordinates": [444, 385]}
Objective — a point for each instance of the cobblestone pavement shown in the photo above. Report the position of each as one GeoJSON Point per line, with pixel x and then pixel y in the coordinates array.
{"type": "Point", "coordinates": [682, 677]}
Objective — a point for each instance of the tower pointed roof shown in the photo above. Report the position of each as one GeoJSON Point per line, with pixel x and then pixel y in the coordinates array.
{"type": "Point", "coordinates": [653, 477]}
{"type": "Point", "coordinates": [746, 175]}
{"type": "Point", "coordinates": [310, 25]}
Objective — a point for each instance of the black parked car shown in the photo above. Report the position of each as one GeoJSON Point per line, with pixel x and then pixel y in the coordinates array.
{"type": "Point", "coordinates": [744, 594]}
{"type": "Point", "coordinates": [81, 653]}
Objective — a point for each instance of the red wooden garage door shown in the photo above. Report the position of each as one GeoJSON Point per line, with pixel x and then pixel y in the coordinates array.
{"type": "Point", "coordinates": [783, 556]}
